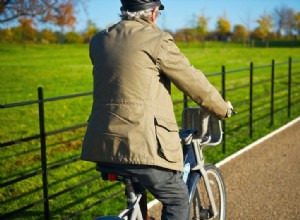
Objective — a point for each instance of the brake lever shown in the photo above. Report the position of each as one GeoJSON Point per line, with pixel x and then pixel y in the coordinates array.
{"type": "Point", "coordinates": [233, 112]}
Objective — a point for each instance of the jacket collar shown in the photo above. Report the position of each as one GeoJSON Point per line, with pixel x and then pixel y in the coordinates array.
{"type": "Point", "coordinates": [147, 23]}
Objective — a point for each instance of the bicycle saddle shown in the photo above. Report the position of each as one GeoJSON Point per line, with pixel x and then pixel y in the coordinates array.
{"type": "Point", "coordinates": [110, 172]}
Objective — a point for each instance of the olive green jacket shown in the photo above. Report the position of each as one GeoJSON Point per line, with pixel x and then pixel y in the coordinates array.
{"type": "Point", "coordinates": [132, 119]}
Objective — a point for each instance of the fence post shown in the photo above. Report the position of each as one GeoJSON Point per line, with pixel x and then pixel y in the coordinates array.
{"type": "Point", "coordinates": [224, 97]}
{"type": "Point", "coordinates": [251, 101]}
{"type": "Point", "coordinates": [43, 153]}
{"type": "Point", "coordinates": [272, 92]}
{"type": "Point", "coordinates": [185, 101]}
{"type": "Point", "coordinates": [290, 87]}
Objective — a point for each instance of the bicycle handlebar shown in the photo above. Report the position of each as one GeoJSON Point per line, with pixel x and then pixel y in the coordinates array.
{"type": "Point", "coordinates": [207, 128]}
{"type": "Point", "coordinates": [233, 112]}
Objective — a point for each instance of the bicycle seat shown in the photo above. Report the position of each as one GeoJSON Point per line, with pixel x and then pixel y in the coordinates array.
{"type": "Point", "coordinates": [111, 172]}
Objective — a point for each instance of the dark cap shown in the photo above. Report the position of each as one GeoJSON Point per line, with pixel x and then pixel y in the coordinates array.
{"type": "Point", "coordinates": [138, 5]}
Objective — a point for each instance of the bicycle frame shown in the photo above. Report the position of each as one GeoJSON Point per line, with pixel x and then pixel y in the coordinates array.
{"type": "Point", "coordinates": [134, 207]}
{"type": "Point", "coordinates": [199, 166]}
{"type": "Point", "coordinates": [208, 133]}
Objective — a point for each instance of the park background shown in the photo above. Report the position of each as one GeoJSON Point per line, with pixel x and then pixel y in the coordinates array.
{"type": "Point", "coordinates": [76, 21]}
{"type": "Point", "coordinates": [44, 65]}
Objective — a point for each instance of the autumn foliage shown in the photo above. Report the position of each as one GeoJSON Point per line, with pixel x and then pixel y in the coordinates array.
{"type": "Point", "coordinates": [62, 15]}
{"type": "Point", "coordinates": [58, 18]}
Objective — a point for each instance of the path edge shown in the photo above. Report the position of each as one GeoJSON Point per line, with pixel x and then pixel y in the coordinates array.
{"type": "Point", "coordinates": [257, 142]}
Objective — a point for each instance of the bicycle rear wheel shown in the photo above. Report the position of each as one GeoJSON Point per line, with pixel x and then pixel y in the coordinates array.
{"type": "Point", "coordinates": [200, 207]}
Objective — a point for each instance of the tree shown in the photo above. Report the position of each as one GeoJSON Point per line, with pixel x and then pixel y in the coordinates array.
{"type": "Point", "coordinates": [297, 23]}
{"type": "Point", "coordinates": [41, 10]}
{"type": "Point", "coordinates": [28, 33]}
{"type": "Point", "coordinates": [47, 36]}
{"type": "Point", "coordinates": [247, 22]}
{"type": "Point", "coordinates": [6, 35]}
{"type": "Point", "coordinates": [73, 38]}
{"type": "Point", "coordinates": [284, 20]}
{"type": "Point", "coordinates": [62, 15]}
{"type": "Point", "coordinates": [14, 9]}
{"type": "Point", "coordinates": [90, 31]}
{"type": "Point", "coordinates": [265, 25]}
{"type": "Point", "coordinates": [240, 33]}
{"type": "Point", "coordinates": [186, 35]}
{"type": "Point", "coordinates": [279, 14]}
{"type": "Point", "coordinates": [202, 27]}
{"type": "Point", "coordinates": [223, 27]}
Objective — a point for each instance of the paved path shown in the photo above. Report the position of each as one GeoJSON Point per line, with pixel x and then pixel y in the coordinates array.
{"type": "Point", "coordinates": [263, 183]}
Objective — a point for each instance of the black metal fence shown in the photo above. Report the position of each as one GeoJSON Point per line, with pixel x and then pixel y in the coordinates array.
{"type": "Point", "coordinates": [259, 98]}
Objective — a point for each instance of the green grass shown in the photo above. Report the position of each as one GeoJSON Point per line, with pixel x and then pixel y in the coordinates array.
{"type": "Point", "coordinates": [66, 69]}
{"type": "Point", "coordinates": [59, 69]}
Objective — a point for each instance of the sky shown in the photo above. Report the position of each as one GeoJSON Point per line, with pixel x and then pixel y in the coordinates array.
{"type": "Point", "coordinates": [180, 13]}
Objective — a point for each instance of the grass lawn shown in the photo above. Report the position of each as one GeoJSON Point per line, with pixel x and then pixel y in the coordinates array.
{"type": "Point", "coordinates": [66, 69]}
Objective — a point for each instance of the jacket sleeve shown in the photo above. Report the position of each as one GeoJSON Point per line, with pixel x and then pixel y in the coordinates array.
{"type": "Point", "coordinates": [189, 80]}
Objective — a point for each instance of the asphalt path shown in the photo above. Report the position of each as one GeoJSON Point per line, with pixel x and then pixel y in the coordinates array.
{"type": "Point", "coordinates": [263, 181]}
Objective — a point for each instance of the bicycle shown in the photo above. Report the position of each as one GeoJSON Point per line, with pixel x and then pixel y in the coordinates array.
{"type": "Point", "coordinates": [207, 194]}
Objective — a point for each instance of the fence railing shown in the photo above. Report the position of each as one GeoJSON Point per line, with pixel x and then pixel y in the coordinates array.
{"type": "Point", "coordinates": [257, 97]}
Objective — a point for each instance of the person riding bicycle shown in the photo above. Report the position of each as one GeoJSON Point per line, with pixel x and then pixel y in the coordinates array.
{"type": "Point", "coordinates": [132, 125]}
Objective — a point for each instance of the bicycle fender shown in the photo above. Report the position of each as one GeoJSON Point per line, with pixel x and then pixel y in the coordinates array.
{"type": "Point", "coordinates": [192, 183]}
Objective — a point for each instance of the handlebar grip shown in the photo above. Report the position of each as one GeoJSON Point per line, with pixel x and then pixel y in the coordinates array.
{"type": "Point", "coordinates": [233, 112]}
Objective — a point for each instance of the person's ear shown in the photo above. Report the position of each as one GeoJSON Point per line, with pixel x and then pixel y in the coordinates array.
{"type": "Point", "coordinates": [154, 14]}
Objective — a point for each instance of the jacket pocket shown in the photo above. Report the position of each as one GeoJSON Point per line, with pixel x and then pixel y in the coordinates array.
{"type": "Point", "coordinates": [169, 147]}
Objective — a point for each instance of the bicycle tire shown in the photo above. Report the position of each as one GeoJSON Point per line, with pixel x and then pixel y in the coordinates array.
{"type": "Point", "coordinates": [200, 207]}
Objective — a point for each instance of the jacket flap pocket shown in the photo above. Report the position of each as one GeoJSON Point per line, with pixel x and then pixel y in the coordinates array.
{"type": "Point", "coordinates": [167, 124]}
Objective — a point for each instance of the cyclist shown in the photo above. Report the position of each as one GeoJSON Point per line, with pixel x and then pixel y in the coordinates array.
{"type": "Point", "coordinates": [132, 124]}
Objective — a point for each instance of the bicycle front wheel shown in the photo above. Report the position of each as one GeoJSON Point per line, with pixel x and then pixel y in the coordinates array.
{"type": "Point", "coordinates": [200, 206]}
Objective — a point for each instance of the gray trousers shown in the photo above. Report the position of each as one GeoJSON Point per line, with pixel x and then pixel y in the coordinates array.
{"type": "Point", "coordinates": [166, 186]}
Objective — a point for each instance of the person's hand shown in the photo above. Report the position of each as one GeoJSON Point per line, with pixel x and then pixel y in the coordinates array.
{"type": "Point", "coordinates": [229, 105]}
{"type": "Point", "coordinates": [230, 110]}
